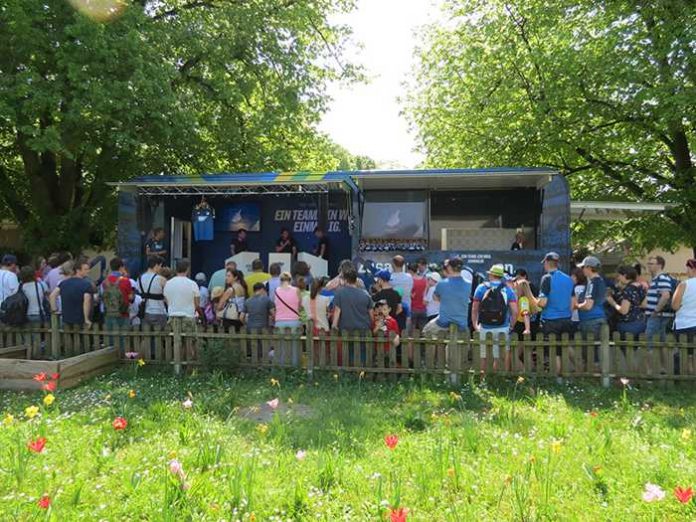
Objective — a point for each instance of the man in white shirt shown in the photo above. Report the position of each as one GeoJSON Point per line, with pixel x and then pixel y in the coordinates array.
{"type": "Point", "coordinates": [182, 295]}
{"type": "Point", "coordinates": [9, 284]}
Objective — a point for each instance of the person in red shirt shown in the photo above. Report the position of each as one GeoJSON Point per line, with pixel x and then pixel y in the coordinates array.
{"type": "Point", "coordinates": [116, 311]}
{"type": "Point", "coordinates": [419, 316]}
{"type": "Point", "coordinates": [384, 324]}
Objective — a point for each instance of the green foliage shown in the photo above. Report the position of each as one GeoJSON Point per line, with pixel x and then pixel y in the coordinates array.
{"type": "Point", "coordinates": [603, 91]}
{"type": "Point", "coordinates": [169, 86]}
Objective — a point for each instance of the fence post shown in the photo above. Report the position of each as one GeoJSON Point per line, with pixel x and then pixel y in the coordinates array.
{"type": "Point", "coordinates": [453, 355]}
{"type": "Point", "coordinates": [55, 337]}
{"type": "Point", "coordinates": [605, 356]}
{"type": "Point", "coordinates": [176, 331]}
{"type": "Point", "coordinates": [309, 348]}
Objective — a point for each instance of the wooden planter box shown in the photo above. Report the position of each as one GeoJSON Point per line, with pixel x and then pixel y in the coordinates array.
{"type": "Point", "coordinates": [17, 371]}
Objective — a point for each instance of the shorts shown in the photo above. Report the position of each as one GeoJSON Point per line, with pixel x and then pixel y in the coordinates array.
{"type": "Point", "coordinates": [497, 333]}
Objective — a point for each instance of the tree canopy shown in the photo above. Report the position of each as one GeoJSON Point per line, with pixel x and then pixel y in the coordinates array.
{"type": "Point", "coordinates": [604, 91]}
{"type": "Point", "coordinates": [90, 96]}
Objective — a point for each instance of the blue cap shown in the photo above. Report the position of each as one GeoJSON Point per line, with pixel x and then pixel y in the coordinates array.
{"type": "Point", "coordinates": [9, 259]}
{"type": "Point", "coordinates": [384, 275]}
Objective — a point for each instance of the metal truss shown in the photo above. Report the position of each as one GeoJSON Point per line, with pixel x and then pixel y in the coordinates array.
{"type": "Point", "coordinates": [224, 190]}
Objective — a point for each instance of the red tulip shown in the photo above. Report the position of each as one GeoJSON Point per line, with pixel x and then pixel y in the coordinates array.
{"type": "Point", "coordinates": [398, 514]}
{"type": "Point", "coordinates": [37, 446]}
{"type": "Point", "coordinates": [593, 414]}
{"type": "Point", "coordinates": [50, 386]}
{"type": "Point", "coordinates": [684, 495]}
{"type": "Point", "coordinates": [55, 376]}
{"type": "Point", "coordinates": [391, 441]}
{"type": "Point", "coordinates": [40, 377]}
{"type": "Point", "coordinates": [44, 502]}
{"type": "Point", "coordinates": [119, 423]}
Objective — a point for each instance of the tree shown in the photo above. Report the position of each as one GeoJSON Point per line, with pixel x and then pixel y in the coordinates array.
{"type": "Point", "coordinates": [604, 91]}
{"type": "Point", "coordinates": [94, 96]}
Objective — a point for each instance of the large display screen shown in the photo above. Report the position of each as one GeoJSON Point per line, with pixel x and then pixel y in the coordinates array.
{"type": "Point", "coordinates": [394, 220]}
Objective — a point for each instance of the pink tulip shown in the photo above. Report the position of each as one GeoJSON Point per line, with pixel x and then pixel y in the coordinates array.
{"type": "Point", "coordinates": [175, 468]}
{"type": "Point", "coordinates": [273, 404]}
{"type": "Point", "coordinates": [624, 381]}
{"type": "Point", "coordinates": [300, 455]}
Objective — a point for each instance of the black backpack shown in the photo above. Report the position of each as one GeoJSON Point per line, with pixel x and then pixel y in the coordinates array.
{"type": "Point", "coordinates": [13, 310]}
{"type": "Point", "coordinates": [493, 308]}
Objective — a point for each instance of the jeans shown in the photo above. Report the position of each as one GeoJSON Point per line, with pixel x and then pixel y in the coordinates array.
{"type": "Point", "coordinates": [116, 323]}
{"type": "Point", "coordinates": [294, 344]}
{"type": "Point", "coordinates": [656, 327]}
{"type": "Point", "coordinates": [592, 326]}
{"type": "Point", "coordinates": [636, 327]}
{"type": "Point", "coordinates": [496, 332]}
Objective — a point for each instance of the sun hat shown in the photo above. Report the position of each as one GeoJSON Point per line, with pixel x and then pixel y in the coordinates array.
{"type": "Point", "coordinates": [497, 271]}
{"type": "Point", "coordinates": [217, 292]}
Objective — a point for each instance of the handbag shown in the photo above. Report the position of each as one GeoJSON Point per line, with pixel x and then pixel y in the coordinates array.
{"type": "Point", "coordinates": [230, 311]}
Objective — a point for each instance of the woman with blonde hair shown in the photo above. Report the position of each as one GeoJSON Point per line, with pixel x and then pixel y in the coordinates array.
{"type": "Point", "coordinates": [288, 302]}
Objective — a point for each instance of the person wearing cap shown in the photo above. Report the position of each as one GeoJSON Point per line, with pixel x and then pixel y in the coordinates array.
{"type": "Point", "coordinates": [9, 284]}
{"type": "Point", "coordinates": [684, 304]}
{"type": "Point", "coordinates": [202, 282]}
{"type": "Point", "coordinates": [386, 292]}
{"type": "Point", "coordinates": [555, 298]}
{"type": "Point", "coordinates": [453, 294]}
{"type": "Point", "coordinates": [592, 315]}
{"type": "Point", "coordinates": [432, 305]}
{"type": "Point", "coordinates": [493, 321]}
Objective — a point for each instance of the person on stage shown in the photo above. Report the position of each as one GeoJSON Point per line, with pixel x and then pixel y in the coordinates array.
{"type": "Point", "coordinates": [239, 245]}
{"type": "Point", "coordinates": [322, 248]}
{"type": "Point", "coordinates": [286, 244]}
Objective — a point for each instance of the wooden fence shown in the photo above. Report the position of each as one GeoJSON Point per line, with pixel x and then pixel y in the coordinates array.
{"type": "Point", "coordinates": [452, 355]}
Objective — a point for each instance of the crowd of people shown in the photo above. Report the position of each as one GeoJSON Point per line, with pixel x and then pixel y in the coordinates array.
{"type": "Point", "coordinates": [391, 302]}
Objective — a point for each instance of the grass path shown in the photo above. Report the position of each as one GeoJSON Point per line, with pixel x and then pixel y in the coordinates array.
{"type": "Point", "coordinates": [501, 450]}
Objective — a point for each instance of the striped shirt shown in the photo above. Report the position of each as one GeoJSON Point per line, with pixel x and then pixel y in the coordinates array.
{"type": "Point", "coordinates": [660, 283]}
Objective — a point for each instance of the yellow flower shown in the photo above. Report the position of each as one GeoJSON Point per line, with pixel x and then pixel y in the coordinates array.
{"type": "Point", "coordinates": [532, 459]}
{"type": "Point", "coordinates": [48, 399]}
{"type": "Point", "coordinates": [290, 401]}
{"type": "Point", "coordinates": [335, 376]}
{"type": "Point", "coordinates": [172, 455]}
{"type": "Point", "coordinates": [31, 411]}
{"type": "Point", "coordinates": [596, 469]}
{"type": "Point", "coordinates": [252, 518]}
{"type": "Point", "coordinates": [362, 374]}
{"type": "Point", "coordinates": [141, 362]}
{"type": "Point", "coordinates": [507, 480]}
{"type": "Point", "coordinates": [262, 428]}
{"type": "Point", "coordinates": [450, 472]}
{"type": "Point", "coordinates": [686, 434]}
{"type": "Point", "coordinates": [520, 380]}
{"type": "Point", "coordinates": [275, 382]}
{"type": "Point", "coordinates": [131, 394]}
{"type": "Point", "coordinates": [556, 446]}
{"type": "Point", "coordinates": [455, 396]}
{"type": "Point", "coordinates": [9, 419]}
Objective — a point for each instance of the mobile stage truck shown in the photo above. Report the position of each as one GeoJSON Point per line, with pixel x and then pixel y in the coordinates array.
{"type": "Point", "coordinates": [369, 216]}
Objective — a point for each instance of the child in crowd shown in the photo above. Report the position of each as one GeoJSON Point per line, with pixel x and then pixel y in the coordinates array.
{"type": "Point", "coordinates": [258, 309]}
{"type": "Point", "coordinates": [384, 324]}
{"type": "Point", "coordinates": [432, 305]}
{"type": "Point", "coordinates": [134, 306]}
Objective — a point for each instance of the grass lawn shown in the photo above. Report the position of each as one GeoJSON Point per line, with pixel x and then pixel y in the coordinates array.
{"type": "Point", "coordinates": [496, 450]}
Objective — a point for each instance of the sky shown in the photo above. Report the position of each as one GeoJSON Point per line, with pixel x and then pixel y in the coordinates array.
{"type": "Point", "coordinates": [364, 117]}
